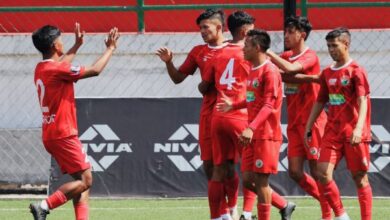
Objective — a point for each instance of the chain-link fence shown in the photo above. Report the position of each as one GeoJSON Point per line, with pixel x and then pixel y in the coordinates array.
{"type": "Point", "coordinates": [134, 70]}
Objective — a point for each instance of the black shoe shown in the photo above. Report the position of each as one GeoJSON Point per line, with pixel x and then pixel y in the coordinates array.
{"type": "Point", "coordinates": [286, 212]}
{"type": "Point", "coordinates": [254, 217]}
{"type": "Point", "coordinates": [38, 212]}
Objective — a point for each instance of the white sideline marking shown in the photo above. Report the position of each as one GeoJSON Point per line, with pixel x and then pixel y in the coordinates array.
{"type": "Point", "coordinates": [170, 208]}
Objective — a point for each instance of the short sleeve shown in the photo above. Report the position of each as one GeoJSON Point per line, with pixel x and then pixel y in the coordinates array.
{"type": "Point", "coordinates": [308, 61]}
{"type": "Point", "coordinates": [190, 65]}
{"type": "Point", "coordinates": [69, 72]}
{"type": "Point", "coordinates": [360, 82]}
{"type": "Point", "coordinates": [271, 82]}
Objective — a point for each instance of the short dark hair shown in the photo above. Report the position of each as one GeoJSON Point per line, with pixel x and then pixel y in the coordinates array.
{"type": "Point", "coordinates": [212, 13]}
{"type": "Point", "coordinates": [339, 32]}
{"type": "Point", "coordinates": [300, 23]}
{"type": "Point", "coordinates": [260, 37]}
{"type": "Point", "coordinates": [238, 19]}
{"type": "Point", "coordinates": [44, 38]}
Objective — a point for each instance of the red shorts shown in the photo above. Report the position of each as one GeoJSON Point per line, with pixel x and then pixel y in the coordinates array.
{"type": "Point", "coordinates": [205, 143]}
{"type": "Point", "coordinates": [296, 146]}
{"type": "Point", "coordinates": [225, 132]}
{"type": "Point", "coordinates": [69, 154]}
{"type": "Point", "coordinates": [356, 156]}
{"type": "Point", "coordinates": [261, 156]}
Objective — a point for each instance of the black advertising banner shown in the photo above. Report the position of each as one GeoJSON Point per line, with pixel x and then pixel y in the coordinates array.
{"type": "Point", "coordinates": [149, 147]}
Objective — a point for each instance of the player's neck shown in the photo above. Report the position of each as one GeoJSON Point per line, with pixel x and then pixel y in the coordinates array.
{"type": "Point", "coordinates": [259, 60]}
{"type": "Point", "coordinates": [54, 57]}
{"type": "Point", "coordinates": [342, 61]}
{"type": "Point", "coordinates": [237, 40]}
{"type": "Point", "coordinates": [299, 48]}
{"type": "Point", "coordinates": [217, 42]}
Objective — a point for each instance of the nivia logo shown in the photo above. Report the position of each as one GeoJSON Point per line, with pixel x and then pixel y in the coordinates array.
{"type": "Point", "coordinates": [178, 149]}
{"type": "Point", "coordinates": [380, 135]}
{"type": "Point", "coordinates": [110, 146]}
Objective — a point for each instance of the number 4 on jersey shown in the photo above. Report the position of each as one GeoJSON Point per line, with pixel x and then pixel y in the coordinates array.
{"type": "Point", "coordinates": [227, 75]}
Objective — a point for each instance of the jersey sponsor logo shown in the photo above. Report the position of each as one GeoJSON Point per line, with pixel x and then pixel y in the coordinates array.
{"type": "Point", "coordinates": [250, 96]}
{"type": "Point", "coordinates": [290, 88]}
{"type": "Point", "coordinates": [336, 99]}
{"type": "Point", "coordinates": [110, 147]}
{"type": "Point", "coordinates": [182, 148]}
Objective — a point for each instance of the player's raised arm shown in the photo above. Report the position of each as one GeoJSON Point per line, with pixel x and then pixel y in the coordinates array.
{"type": "Point", "coordinates": [300, 78]}
{"type": "Point", "coordinates": [101, 62]}
{"type": "Point", "coordinates": [79, 40]}
{"type": "Point", "coordinates": [166, 56]}
{"type": "Point", "coordinates": [286, 66]}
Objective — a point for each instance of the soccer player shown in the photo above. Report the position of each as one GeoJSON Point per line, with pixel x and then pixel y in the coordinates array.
{"type": "Point", "coordinates": [301, 69]}
{"type": "Point", "coordinates": [54, 78]}
{"type": "Point", "coordinates": [262, 138]}
{"type": "Point", "coordinates": [228, 71]}
{"type": "Point", "coordinates": [211, 23]}
{"type": "Point", "coordinates": [344, 86]}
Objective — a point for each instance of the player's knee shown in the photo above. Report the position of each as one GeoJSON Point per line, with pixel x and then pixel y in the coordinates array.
{"type": "Point", "coordinates": [87, 181]}
{"type": "Point", "coordinates": [295, 174]}
{"type": "Point", "coordinates": [323, 176]}
{"type": "Point", "coordinates": [360, 179]}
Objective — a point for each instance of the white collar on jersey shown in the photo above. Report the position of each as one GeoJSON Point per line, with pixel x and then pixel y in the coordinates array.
{"type": "Point", "coordinates": [341, 67]}
{"type": "Point", "coordinates": [47, 60]}
{"type": "Point", "coordinates": [297, 56]}
{"type": "Point", "coordinates": [259, 66]}
{"type": "Point", "coordinates": [217, 47]}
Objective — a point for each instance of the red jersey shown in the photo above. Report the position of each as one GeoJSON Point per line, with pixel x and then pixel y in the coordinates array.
{"type": "Point", "coordinates": [229, 71]}
{"type": "Point", "coordinates": [301, 97]}
{"type": "Point", "coordinates": [198, 57]}
{"type": "Point", "coordinates": [265, 81]}
{"type": "Point", "coordinates": [54, 82]}
{"type": "Point", "coordinates": [341, 87]}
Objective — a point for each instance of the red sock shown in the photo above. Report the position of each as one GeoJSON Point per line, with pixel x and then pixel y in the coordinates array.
{"type": "Point", "coordinates": [264, 211]}
{"type": "Point", "coordinates": [81, 210]}
{"type": "Point", "coordinates": [332, 195]}
{"type": "Point", "coordinates": [365, 201]}
{"type": "Point", "coordinates": [308, 184]}
{"type": "Point", "coordinates": [249, 200]}
{"type": "Point", "coordinates": [215, 194]}
{"type": "Point", "coordinates": [56, 199]}
{"type": "Point", "coordinates": [326, 210]}
{"type": "Point", "coordinates": [231, 188]}
{"type": "Point", "coordinates": [278, 201]}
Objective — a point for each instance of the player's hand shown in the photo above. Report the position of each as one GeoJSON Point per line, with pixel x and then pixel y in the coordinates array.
{"type": "Point", "coordinates": [246, 137]}
{"type": "Point", "coordinates": [307, 138]}
{"type": "Point", "coordinates": [79, 36]}
{"type": "Point", "coordinates": [165, 54]}
{"type": "Point", "coordinates": [225, 105]}
{"type": "Point", "coordinates": [356, 137]}
{"type": "Point", "coordinates": [112, 38]}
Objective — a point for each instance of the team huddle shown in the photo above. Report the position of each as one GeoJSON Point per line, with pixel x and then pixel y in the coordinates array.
{"type": "Point", "coordinates": [241, 112]}
{"type": "Point", "coordinates": [242, 88]}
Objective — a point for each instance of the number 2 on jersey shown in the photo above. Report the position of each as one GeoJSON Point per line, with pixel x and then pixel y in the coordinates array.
{"type": "Point", "coordinates": [40, 86]}
{"type": "Point", "coordinates": [227, 75]}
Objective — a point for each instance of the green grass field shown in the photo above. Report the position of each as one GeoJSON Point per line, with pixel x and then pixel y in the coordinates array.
{"type": "Point", "coordinates": [174, 209]}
